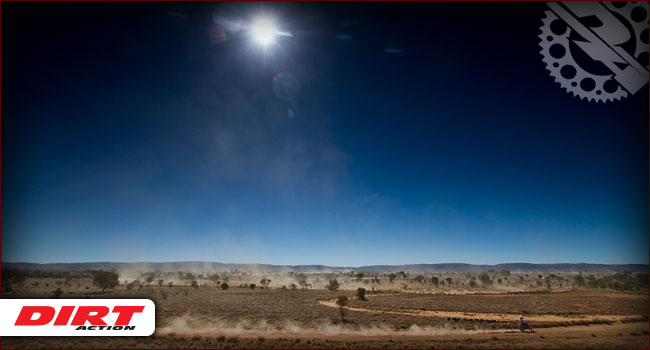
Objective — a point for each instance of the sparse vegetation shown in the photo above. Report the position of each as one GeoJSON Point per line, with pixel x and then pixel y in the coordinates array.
{"type": "Point", "coordinates": [390, 306]}
{"type": "Point", "coordinates": [11, 277]}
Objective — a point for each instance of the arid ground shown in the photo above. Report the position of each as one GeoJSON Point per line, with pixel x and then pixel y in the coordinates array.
{"type": "Point", "coordinates": [241, 317]}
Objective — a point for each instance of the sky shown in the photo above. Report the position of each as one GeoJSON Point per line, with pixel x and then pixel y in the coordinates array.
{"type": "Point", "coordinates": [394, 134]}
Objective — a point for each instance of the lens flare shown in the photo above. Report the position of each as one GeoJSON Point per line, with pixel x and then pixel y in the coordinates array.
{"type": "Point", "coordinates": [264, 31]}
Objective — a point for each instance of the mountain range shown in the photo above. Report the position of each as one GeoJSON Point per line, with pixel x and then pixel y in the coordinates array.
{"type": "Point", "coordinates": [221, 267]}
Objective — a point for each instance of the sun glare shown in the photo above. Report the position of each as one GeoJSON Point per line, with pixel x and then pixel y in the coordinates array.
{"type": "Point", "coordinates": [263, 31]}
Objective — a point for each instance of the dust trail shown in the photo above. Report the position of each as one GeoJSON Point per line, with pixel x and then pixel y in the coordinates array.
{"type": "Point", "coordinates": [187, 326]}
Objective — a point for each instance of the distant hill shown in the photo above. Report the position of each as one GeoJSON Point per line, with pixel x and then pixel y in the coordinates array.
{"type": "Point", "coordinates": [216, 266]}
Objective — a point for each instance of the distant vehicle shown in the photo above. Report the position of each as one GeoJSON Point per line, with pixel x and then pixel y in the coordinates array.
{"type": "Point", "coordinates": [523, 326]}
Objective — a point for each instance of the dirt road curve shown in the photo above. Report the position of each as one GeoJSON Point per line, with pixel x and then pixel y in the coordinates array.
{"type": "Point", "coordinates": [486, 316]}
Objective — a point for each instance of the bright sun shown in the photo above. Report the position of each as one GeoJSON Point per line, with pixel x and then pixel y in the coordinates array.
{"type": "Point", "coordinates": [263, 31]}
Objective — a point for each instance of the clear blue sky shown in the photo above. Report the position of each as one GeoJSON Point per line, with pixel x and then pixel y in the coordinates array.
{"type": "Point", "coordinates": [137, 133]}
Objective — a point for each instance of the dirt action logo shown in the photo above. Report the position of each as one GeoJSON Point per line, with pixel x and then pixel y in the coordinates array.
{"type": "Point", "coordinates": [77, 317]}
{"type": "Point", "coordinates": [597, 50]}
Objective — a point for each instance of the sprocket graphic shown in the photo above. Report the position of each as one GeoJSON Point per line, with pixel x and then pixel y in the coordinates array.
{"type": "Point", "coordinates": [569, 74]}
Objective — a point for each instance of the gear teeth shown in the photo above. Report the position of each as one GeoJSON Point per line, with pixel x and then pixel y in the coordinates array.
{"type": "Point", "coordinates": [567, 60]}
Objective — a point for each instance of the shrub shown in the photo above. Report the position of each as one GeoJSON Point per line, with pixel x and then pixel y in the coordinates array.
{"type": "Point", "coordinates": [170, 284]}
{"type": "Point", "coordinates": [195, 284]}
{"type": "Point", "coordinates": [333, 285]}
{"type": "Point", "coordinates": [434, 281]}
{"type": "Point", "coordinates": [361, 294]}
{"type": "Point", "coordinates": [58, 292]}
{"type": "Point", "coordinates": [224, 285]}
{"type": "Point", "coordinates": [485, 279]}
{"type": "Point", "coordinates": [252, 286]}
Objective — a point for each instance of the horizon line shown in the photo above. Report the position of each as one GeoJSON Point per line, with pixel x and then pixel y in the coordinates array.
{"type": "Point", "coordinates": [324, 265]}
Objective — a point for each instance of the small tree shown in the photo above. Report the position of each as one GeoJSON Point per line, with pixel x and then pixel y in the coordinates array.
{"type": "Point", "coordinates": [578, 281]}
{"type": "Point", "coordinates": [224, 285]}
{"type": "Point", "coordinates": [391, 277]}
{"type": "Point", "coordinates": [342, 301]}
{"type": "Point", "coordinates": [170, 284]}
{"type": "Point", "coordinates": [160, 283]}
{"type": "Point", "coordinates": [361, 294]}
{"type": "Point", "coordinates": [195, 284]}
{"type": "Point", "coordinates": [434, 281]}
{"type": "Point", "coordinates": [485, 279]}
{"type": "Point", "coordinates": [333, 285]}
{"type": "Point", "coordinates": [105, 279]}
{"type": "Point", "coordinates": [301, 278]}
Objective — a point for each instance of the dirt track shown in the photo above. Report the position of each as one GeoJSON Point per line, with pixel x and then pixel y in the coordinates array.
{"type": "Point", "coordinates": [272, 318]}
{"type": "Point", "coordinates": [487, 316]}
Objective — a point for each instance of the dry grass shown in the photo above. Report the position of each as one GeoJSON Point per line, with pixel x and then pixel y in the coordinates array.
{"type": "Point", "coordinates": [217, 310]}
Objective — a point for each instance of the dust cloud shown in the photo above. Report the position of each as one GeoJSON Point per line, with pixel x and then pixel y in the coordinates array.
{"type": "Point", "coordinates": [187, 326]}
